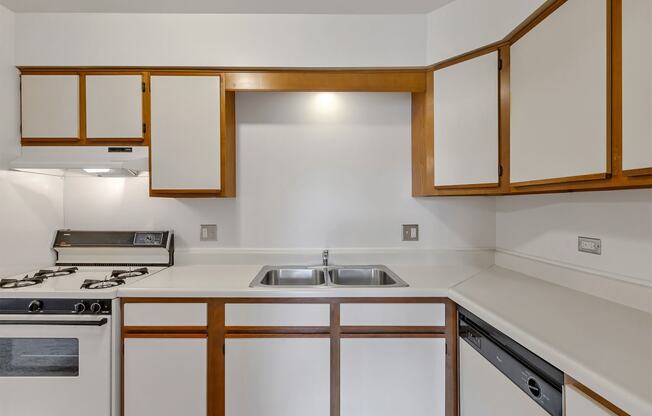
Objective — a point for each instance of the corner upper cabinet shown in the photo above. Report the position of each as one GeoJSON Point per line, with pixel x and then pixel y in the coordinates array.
{"type": "Point", "coordinates": [559, 111]}
{"type": "Point", "coordinates": [115, 107]}
{"type": "Point", "coordinates": [637, 87]}
{"type": "Point", "coordinates": [50, 108]}
{"type": "Point", "coordinates": [466, 133]}
{"type": "Point", "coordinates": [189, 136]}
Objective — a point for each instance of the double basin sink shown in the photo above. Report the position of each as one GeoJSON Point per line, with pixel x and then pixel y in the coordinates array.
{"type": "Point", "coordinates": [327, 276]}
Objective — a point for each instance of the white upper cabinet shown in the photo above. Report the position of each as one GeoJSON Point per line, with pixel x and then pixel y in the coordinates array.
{"type": "Point", "coordinates": [637, 84]}
{"type": "Point", "coordinates": [50, 106]}
{"type": "Point", "coordinates": [185, 133]}
{"type": "Point", "coordinates": [114, 106]}
{"type": "Point", "coordinates": [466, 122]}
{"type": "Point", "coordinates": [559, 96]}
{"type": "Point", "coordinates": [579, 404]}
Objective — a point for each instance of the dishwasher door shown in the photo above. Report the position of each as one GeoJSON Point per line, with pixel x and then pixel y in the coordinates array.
{"type": "Point", "coordinates": [485, 391]}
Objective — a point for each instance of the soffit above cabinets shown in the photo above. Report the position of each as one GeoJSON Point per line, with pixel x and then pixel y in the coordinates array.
{"type": "Point", "coordinates": [227, 6]}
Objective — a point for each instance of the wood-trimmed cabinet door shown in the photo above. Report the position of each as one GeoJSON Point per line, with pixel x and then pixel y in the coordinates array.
{"type": "Point", "coordinates": [50, 108]}
{"type": "Point", "coordinates": [576, 403]}
{"type": "Point", "coordinates": [392, 376]}
{"type": "Point", "coordinates": [165, 376]}
{"type": "Point", "coordinates": [277, 376]}
{"type": "Point", "coordinates": [559, 111]}
{"type": "Point", "coordinates": [466, 133]}
{"type": "Point", "coordinates": [115, 108]}
{"type": "Point", "coordinates": [187, 131]}
{"type": "Point", "coordinates": [637, 87]}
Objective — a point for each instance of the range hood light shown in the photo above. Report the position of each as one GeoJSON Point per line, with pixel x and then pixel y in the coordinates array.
{"type": "Point", "coordinates": [97, 170]}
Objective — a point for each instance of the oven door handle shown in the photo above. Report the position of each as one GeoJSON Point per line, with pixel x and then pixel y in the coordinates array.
{"type": "Point", "coordinates": [101, 322]}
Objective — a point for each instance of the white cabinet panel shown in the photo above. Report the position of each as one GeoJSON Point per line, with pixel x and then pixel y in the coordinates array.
{"type": "Point", "coordinates": [50, 106]}
{"type": "Point", "coordinates": [559, 95]}
{"type": "Point", "coordinates": [485, 391]}
{"type": "Point", "coordinates": [579, 404]}
{"type": "Point", "coordinates": [389, 377]}
{"type": "Point", "coordinates": [185, 135]}
{"type": "Point", "coordinates": [165, 376]}
{"type": "Point", "coordinates": [276, 314]}
{"type": "Point", "coordinates": [277, 377]}
{"type": "Point", "coordinates": [165, 314]}
{"type": "Point", "coordinates": [114, 106]}
{"type": "Point", "coordinates": [637, 84]}
{"type": "Point", "coordinates": [466, 122]}
{"type": "Point", "coordinates": [393, 314]}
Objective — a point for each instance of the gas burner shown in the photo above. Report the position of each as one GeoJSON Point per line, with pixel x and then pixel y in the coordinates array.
{"type": "Point", "coordinates": [126, 274]}
{"type": "Point", "coordinates": [44, 274]}
{"type": "Point", "coordinates": [18, 283]}
{"type": "Point", "coordinates": [101, 284]}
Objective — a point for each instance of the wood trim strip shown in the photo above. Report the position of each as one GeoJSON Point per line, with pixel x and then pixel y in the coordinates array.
{"type": "Point", "coordinates": [165, 300]}
{"type": "Point", "coordinates": [470, 186]}
{"type": "Point", "coordinates": [237, 330]}
{"type": "Point", "coordinates": [393, 335]}
{"type": "Point", "coordinates": [165, 329]}
{"type": "Point", "coordinates": [452, 365]}
{"type": "Point", "coordinates": [290, 335]}
{"type": "Point", "coordinates": [580, 178]}
{"type": "Point", "coordinates": [162, 335]}
{"type": "Point", "coordinates": [483, 50]}
{"type": "Point", "coordinates": [533, 20]}
{"type": "Point", "coordinates": [568, 380]}
{"type": "Point", "coordinates": [335, 335]}
{"type": "Point", "coordinates": [638, 172]}
{"type": "Point", "coordinates": [216, 359]}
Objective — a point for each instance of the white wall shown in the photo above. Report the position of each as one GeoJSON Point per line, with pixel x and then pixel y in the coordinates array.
{"type": "Point", "coordinates": [9, 96]}
{"type": "Point", "coordinates": [465, 25]}
{"type": "Point", "coordinates": [314, 170]}
{"type": "Point", "coordinates": [547, 227]}
{"type": "Point", "coordinates": [220, 40]}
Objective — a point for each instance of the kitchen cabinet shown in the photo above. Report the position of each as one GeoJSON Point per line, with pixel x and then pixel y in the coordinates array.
{"type": "Point", "coordinates": [559, 111]}
{"type": "Point", "coordinates": [466, 132]}
{"type": "Point", "coordinates": [115, 107]}
{"type": "Point", "coordinates": [186, 133]}
{"type": "Point", "coordinates": [165, 376]}
{"type": "Point", "coordinates": [277, 376]}
{"type": "Point", "coordinates": [390, 376]}
{"type": "Point", "coordinates": [579, 404]}
{"type": "Point", "coordinates": [637, 87]}
{"type": "Point", "coordinates": [50, 107]}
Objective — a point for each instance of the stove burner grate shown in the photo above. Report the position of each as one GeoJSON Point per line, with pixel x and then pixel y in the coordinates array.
{"type": "Point", "coordinates": [101, 284]}
{"type": "Point", "coordinates": [44, 274]}
{"type": "Point", "coordinates": [126, 274]}
{"type": "Point", "coordinates": [18, 283]}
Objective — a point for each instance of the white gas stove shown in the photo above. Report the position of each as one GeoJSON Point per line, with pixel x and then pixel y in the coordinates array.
{"type": "Point", "coordinates": [60, 326]}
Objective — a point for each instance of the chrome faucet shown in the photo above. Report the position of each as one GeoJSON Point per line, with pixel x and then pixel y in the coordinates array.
{"type": "Point", "coordinates": [324, 257]}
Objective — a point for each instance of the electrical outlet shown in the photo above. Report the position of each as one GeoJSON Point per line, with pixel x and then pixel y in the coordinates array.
{"type": "Point", "coordinates": [208, 232]}
{"type": "Point", "coordinates": [589, 245]}
{"type": "Point", "coordinates": [410, 232]}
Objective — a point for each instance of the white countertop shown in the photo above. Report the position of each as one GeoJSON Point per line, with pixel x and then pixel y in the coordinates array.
{"type": "Point", "coordinates": [604, 345]}
{"type": "Point", "coordinates": [233, 281]}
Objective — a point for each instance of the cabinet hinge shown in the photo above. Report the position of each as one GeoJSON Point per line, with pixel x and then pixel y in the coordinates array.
{"type": "Point", "coordinates": [500, 64]}
{"type": "Point", "coordinates": [223, 349]}
{"type": "Point", "coordinates": [500, 171]}
{"type": "Point", "coordinates": [144, 128]}
{"type": "Point", "coordinates": [144, 87]}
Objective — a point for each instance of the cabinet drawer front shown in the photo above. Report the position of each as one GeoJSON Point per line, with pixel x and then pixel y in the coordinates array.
{"type": "Point", "coordinates": [268, 314]}
{"type": "Point", "coordinates": [165, 314]}
{"type": "Point", "coordinates": [393, 314]}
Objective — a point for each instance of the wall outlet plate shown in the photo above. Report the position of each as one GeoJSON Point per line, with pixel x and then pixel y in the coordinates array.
{"type": "Point", "coordinates": [208, 232]}
{"type": "Point", "coordinates": [410, 232]}
{"type": "Point", "coordinates": [589, 245]}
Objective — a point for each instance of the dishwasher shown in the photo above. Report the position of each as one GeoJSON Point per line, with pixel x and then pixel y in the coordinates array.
{"type": "Point", "coordinates": [499, 377]}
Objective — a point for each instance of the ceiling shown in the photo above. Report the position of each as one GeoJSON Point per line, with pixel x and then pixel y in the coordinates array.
{"type": "Point", "coordinates": [228, 6]}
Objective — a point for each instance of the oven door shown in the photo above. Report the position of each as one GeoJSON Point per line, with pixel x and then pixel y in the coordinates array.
{"type": "Point", "coordinates": [55, 365]}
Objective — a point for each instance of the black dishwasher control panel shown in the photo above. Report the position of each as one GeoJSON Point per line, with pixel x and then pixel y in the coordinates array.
{"type": "Point", "coordinates": [541, 381]}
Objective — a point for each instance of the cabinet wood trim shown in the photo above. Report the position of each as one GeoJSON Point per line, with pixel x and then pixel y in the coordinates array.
{"type": "Point", "coordinates": [638, 172]}
{"type": "Point", "coordinates": [580, 178]}
{"type": "Point", "coordinates": [594, 396]}
{"type": "Point", "coordinates": [164, 329]}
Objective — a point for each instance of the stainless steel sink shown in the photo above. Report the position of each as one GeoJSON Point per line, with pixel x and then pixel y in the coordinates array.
{"type": "Point", "coordinates": [323, 276]}
{"type": "Point", "coordinates": [364, 276]}
{"type": "Point", "coordinates": [290, 276]}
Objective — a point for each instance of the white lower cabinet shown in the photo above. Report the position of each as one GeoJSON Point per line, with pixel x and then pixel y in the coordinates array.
{"type": "Point", "coordinates": [389, 377]}
{"type": "Point", "coordinates": [277, 377]}
{"type": "Point", "coordinates": [165, 376]}
{"type": "Point", "coordinates": [579, 404]}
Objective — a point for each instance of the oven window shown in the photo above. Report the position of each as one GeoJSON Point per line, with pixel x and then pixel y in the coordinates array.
{"type": "Point", "coordinates": [39, 357]}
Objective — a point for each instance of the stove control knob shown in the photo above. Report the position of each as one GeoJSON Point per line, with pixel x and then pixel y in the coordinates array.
{"type": "Point", "coordinates": [35, 306]}
{"type": "Point", "coordinates": [96, 307]}
{"type": "Point", "coordinates": [79, 307]}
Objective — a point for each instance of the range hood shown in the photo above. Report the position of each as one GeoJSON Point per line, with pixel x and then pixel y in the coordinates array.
{"type": "Point", "coordinates": [99, 160]}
